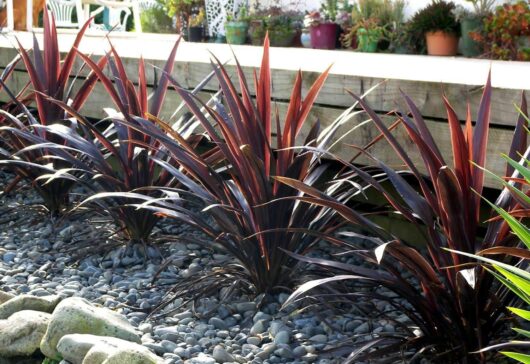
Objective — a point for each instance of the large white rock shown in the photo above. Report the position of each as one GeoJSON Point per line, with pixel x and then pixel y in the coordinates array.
{"type": "Point", "coordinates": [22, 332]}
{"type": "Point", "coordinates": [91, 349]}
{"type": "Point", "coordinates": [27, 302]}
{"type": "Point", "coordinates": [105, 353]}
{"type": "Point", "coordinates": [78, 316]}
{"type": "Point", "coordinates": [4, 297]}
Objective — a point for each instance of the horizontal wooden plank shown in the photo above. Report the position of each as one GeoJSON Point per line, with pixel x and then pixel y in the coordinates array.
{"type": "Point", "coordinates": [193, 65]}
{"type": "Point", "coordinates": [499, 139]}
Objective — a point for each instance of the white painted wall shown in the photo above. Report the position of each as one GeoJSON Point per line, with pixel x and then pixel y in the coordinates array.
{"type": "Point", "coordinates": [412, 5]}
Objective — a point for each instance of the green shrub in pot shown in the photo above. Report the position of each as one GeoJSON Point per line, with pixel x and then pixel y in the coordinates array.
{"type": "Point", "coordinates": [472, 22]}
{"type": "Point", "coordinates": [236, 27]}
{"type": "Point", "coordinates": [369, 34]}
{"type": "Point", "coordinates": [438, 24]}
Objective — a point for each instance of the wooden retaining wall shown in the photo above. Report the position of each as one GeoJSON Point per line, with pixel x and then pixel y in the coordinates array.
{"type": "Point", "coordinates": [424, 79]}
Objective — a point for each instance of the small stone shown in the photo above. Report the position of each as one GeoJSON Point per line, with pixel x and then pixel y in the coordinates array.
{"type": "Point", "coordinates": [277, 326]}
{"type": "Point", "coordinates": [217, 323]}
{"type": "Point", "coordinates": [201, 359]}
{"type": "Point", "coordinates": [246, 306]}
{"type": "Point", "coordinates": [285, 353]}
{"type": "Point", "coordinates": [319, 339]}
{"type": "Point", "coordinates": [253, 340]}
{"type": "Point", "coordinates": [261, 316]}
{"type": "Point", "coordinates": [9, 257]}
{"type": "Point", "coordinates": [183, 315]}
{"type": "Point", "coordinates": [362, 329]}
{"type": "Point", "coordinates": [266, 351]}
{"type": "Point", "coordinates": [221, 355]}
{"type": "Point", "coordinates": [257, 328]}
{"type": "Point", "coordinates": [168, 346]}
{"type": "Point", "coordinates": [282, 337]}
{"type": "Point", "coordinates": [299, 351]}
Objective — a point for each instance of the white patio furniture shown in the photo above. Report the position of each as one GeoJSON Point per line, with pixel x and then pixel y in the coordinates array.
{"type": "Point", "coordinates": [63, 11]}
{"type": "Point", "coordinates": [115, 11]}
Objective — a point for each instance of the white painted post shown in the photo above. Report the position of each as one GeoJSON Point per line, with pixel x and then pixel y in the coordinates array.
{"type": "Point", "coordinates": [136, 16]}
{"type": "Point", "coordinates": [81, 18]}
{"type": "Point", "coordinates": [10, 15]}
{"type": "Point", "coordinates": [29, 15]}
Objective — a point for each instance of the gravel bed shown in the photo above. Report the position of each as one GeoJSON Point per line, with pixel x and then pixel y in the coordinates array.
{"type": "Point", "coordinates": [33, 260]}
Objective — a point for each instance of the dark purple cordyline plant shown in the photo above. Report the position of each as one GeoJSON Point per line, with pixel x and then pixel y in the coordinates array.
{"type": "Point", "coordinates": [49, 77]}
{"type": "Point", "coordinates": [456, 306]}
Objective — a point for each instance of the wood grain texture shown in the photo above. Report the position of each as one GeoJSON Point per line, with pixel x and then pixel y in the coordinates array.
{"type": "Point", "coordinates": [499, 139]}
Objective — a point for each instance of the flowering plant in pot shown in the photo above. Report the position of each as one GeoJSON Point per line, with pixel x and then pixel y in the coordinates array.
{"type": "Point", "coordinates": [236, 27]}
{"type": "Point", "coordinates": [506, 33]}
{"type": "Point", "coordinates": [323, 32]}
{"type": "Point", "coordinates": [472, 22]}
{"type": "Point", "coordinates": [322, 26]}
{"type": "Point", "coordinates": [196, 26]}
{"type": "Point", "coordinates": [438, 24]}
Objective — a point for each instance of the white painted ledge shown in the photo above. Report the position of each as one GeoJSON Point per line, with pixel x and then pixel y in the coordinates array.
{"type": "Point", "coordinates": [449, 70]}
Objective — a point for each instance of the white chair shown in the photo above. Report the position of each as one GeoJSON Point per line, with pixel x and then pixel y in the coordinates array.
{"type": "Point", "coordinates": [63, 10]}
{"type": "Point", "coordinates": [115, 20]}
{"type": "Point", "coordinates": [115, 10]}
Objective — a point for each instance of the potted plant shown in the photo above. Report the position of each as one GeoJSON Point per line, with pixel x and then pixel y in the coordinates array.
{"type": "Point", "coordinates": [439, 26]}
{"type": "Point", "coordinates": [472, 22]}
{"type": "Point", "coordinates": [196, 26]}
{"type": "Point", "coordinates": [322, 26]}
{"type": "Point", "coordinates": [323, 32]}
{"type": "Point", "coordinates": [506, 33]}
{"type": "Point", "coordinates": [373, 23]}
{"type": "Point", "coordinates": [281, 30]}
{"type": "Point", "coordinates": [236, 27]}
{"type": "Point", "coordinates": [369, 33]}
{"type": "Point", "coordinates": [282, 26]}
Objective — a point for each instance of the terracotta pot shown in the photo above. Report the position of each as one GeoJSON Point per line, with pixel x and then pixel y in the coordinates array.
{"type": "Point", "coordinates": [441, 44]}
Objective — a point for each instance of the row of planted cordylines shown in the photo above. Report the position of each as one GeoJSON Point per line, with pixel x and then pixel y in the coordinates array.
{"type": "Point", "coordinates": [271, 199]}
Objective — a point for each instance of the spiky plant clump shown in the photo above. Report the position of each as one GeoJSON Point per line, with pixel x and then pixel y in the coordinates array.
{"type": "Point", "coordinates": [49, 77]}
{"type": "Point", "coordinates": [457, 309]}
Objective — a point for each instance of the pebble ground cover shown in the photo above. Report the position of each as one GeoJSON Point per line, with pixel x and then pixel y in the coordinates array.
{"type": "Point", "coordinates": [226, 238]}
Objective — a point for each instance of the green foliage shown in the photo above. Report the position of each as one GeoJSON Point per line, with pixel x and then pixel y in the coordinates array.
{"type": "Point", "coordinates": [182, 7]}
{"type": "Point", "coordinates": [505, 32]}
{"type": "Point", "coordinates": [381, 19]}
{"type": "Point", "coordinates": [514, 276]}
{"type": "Point", "coordinates": [482, 8]}
{"type": "Point", "coordinates": [156, 20]}
{"type": "Point", "coordinates": [437, 16]}
{"type": "Point", "coordinates": [51, 361]}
